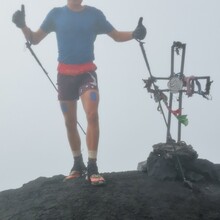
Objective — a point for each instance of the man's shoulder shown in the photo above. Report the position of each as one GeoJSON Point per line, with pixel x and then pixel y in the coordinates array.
{"type": "Point", "coordinates": [89, 7]}
{"type": "Point", "coordinates": [93, 9]}
{"type": "Point", "coordinates": [57, 9]}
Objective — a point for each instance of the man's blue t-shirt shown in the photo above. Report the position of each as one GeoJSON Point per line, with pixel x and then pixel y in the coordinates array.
{"type": "Point", "coordinates": [76, 32]}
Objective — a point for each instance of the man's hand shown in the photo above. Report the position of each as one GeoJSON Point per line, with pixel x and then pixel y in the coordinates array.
{"type": "Point", "coordinates": [140, 32]}
{"type": "Point", "coordinates": [18, 18]}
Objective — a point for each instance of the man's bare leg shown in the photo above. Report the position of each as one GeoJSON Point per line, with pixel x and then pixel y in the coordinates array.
{"type": "Point", "coordinates": [90, 101]}
{"type": "Point", "coordinates": [69, 109]}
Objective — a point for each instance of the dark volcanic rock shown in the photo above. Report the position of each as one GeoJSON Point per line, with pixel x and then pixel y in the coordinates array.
{"type": "Point", "coordinates": [172, 161]}
{"type": "Point", "coordinates": [161, 168]}
{"type": "Point", "coordinates": [129, 195]}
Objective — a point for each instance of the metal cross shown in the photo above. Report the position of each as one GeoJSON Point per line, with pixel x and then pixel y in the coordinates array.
{"type": "Point", "coordinates": [177, 83]}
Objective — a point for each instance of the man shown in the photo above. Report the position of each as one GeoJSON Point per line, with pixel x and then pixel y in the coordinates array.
{"type": "Point", "coordinates": [76, 27]}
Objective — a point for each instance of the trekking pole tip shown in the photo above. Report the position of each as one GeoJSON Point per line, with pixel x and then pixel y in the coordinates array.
{"type": "Point", "coordinates": [188, 184]}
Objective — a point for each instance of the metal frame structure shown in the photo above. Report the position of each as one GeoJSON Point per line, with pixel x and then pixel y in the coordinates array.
{"type": "Point", "coordinates": [177, 84]}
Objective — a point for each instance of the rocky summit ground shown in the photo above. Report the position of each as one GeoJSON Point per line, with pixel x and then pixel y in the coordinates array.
{"type": "Point", "coordinates": [131, 195]}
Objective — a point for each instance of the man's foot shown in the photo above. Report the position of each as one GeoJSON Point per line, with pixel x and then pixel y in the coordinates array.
{"type": "Point", "coordinates": [96, 180]}
{"type": "Point", "coordinates": [74, 174]}
{"type": "Point", "coordinates": [78, 170]}
{"type": "Point", "coordinates": [93, 175]}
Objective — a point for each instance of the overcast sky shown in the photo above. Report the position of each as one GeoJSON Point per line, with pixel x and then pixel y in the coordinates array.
{"type": "Point", "coordinates": [33, 139]}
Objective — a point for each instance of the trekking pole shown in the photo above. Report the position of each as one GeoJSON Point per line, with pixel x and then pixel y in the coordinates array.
{"type": "Point", "coordinates": [155, 88]}
{"type": "Point", "coordinates": [28, 45]}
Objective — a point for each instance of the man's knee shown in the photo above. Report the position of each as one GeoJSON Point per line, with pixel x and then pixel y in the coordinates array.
{"type": "Point", "coordinates": [92, 117]}
{"type": "Point", "coordinates": [71, 125]}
